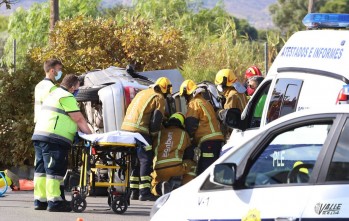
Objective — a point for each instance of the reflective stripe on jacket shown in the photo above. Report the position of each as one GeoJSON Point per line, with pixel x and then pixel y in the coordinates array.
{"type": "Point", "coordinates": [169, 147]}
{"type": "Point", "coordinates": [140, 110]}
{"type": "Point", "coordinates": [54, 123]}
{"type": "Point", "coordinates": [209, 126]}
{"type": "Point", "coordinates": [42, 90]}
{"type": "Point", "coordinates": [234, 99]}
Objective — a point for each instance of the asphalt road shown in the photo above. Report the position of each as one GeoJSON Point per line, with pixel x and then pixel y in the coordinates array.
{"type": "Point", "coordinates": [18, 206]}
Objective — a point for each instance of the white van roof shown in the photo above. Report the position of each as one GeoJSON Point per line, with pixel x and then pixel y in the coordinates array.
{"type": "Point", "coordinates": [325, 50]}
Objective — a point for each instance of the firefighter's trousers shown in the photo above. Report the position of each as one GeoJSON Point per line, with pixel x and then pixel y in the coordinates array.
{"type": "Point", "coordinates": [186, 169]}
{"type": "Point", "coordinates": [210, 151]}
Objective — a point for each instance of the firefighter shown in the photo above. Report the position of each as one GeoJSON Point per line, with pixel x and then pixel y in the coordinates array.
{"type": "Point", "coordinates": [252, 71]}
{"type": "Point", "coordinates": [201, 124]}
{"type": "Point", "coordinates": [173, 155]}
{"type": "Point", "coordinates": [54, 132]}
{"type": "Point", "coordinates": [144, 115]}
{"type": "Point", "coordinates": [232, 90]}
{"type": "Point", "coordinates": [53, 72]}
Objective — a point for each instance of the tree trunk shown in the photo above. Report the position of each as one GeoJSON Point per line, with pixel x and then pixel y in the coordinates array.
{"type": "Point", "coordinates": [54, 13]}
{"type": "Point", "coordinates": [311, 6]}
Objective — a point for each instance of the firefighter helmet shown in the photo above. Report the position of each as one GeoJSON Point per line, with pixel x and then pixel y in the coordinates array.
{"type": "Point", "coordinates": [187, 87]}
{"type": "Point", "coordinates": [225, 77]}
{"type": "Point", "coordinates": [164, 84]}
{"type": "Point", "coordinates": [178, 116]}
{"type": "Point", "coordinates": [252, 71]}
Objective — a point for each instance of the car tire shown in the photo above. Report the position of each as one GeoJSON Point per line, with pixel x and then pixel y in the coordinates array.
{"type": "Point", "coordinates": [88, 94]}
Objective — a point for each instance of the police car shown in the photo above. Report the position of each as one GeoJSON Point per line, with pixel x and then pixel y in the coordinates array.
{"type": "Point", "coordinates": [310, 71]}
{"type": "Point", "coordinates": [295, 168]}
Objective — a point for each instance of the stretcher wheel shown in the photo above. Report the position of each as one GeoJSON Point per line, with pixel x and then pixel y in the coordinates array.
{"type": "Point", "coordinates": [78, 204]}
{"type": "Point", "coordinates": [119, 205]}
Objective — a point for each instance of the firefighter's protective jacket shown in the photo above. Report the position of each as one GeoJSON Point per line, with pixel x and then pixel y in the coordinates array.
{"type": "Point", "coordinates": [234, 99]}
{"type": "Point", "coordinates": [170, 144]}
{"type": "Point", "coordinates": [141, 109]}
{"type": "Point", "coordinates": [207, 126]}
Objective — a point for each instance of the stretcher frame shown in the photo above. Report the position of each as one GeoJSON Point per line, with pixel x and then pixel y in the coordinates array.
{"type": "Point", "coordinates": [120, 154]}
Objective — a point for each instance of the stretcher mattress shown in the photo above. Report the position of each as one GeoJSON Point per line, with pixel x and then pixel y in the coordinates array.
{"type": "Point", "coordinates": [114, 137]}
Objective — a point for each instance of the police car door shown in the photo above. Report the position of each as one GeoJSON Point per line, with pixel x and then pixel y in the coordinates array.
{"type": "Point", "coordinates": [330, 198]}
{"type": "Point", "coordinates": [277, 176]}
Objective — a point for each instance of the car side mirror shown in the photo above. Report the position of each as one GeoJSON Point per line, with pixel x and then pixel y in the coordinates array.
{"type": "Point", "coordinates": [224, 174]}
{"type": "Point", "coordinates": [233, 118]}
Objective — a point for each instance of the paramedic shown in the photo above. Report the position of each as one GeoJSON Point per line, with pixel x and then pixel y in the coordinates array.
{"type": "Point", "coordinates": [144, 115]}
{"type": "Point", "coordinates": [173, 155]}
{"type": "Point", "coordinates": [53, 71]}
{"type": "Point", "coordinates": [59, 119]}
{"type": "Point", "coordinates": [201, 124]}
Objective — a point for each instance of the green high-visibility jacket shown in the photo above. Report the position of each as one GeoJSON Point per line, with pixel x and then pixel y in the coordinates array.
{"type": "Point", "coordinates": [54, 124]}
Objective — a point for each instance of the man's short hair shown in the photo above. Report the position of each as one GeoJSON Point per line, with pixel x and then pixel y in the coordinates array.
{"type": "Point", "coordinates": [69, 81]}
{"type": "Point", "coordinates": [51, 63]}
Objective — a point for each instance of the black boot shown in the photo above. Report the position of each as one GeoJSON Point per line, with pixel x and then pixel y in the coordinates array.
{"type": "Point", "coordinates": [134, 194]}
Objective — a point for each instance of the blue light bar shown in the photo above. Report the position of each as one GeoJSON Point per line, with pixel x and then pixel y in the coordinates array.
{"type": "Point", "coordinates": [326, 20]}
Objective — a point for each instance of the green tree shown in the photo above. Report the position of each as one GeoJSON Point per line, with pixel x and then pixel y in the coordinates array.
{"type": "Point", "coordinates": [335, 6]}
{"type": "Point", "coordinates": [3, 34]}
{"type": "Point", "coordinates": [287, 15]}
{"type": "Point", "coordinates": [30, 27]}
{"type": "Point", "coordinates": [16, 113]}
{"type": "Point", "coordinates": [188, 15]}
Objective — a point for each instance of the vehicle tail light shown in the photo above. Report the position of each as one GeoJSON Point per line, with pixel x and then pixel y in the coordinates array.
{"type": "Point", "coordinates": [343, 96]}
{"type": "Point", "coordinates": [130, 93]}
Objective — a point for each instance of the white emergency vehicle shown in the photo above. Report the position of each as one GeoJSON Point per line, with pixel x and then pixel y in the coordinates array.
{"type": "Point", "coordinates": [310, 71]}
{"type": "Point", "coordinates": [294, 168]}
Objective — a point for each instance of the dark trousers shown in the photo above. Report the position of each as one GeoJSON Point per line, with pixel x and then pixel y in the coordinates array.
{"type": "Point", "coordinates": [51, 159]}
{"type": "Point", "coordinates": [210, 151]}
{"type": "Point", "coordinates": [143, 168]}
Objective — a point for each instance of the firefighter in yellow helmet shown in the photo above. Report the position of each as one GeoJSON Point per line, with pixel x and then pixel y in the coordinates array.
{"type": "Point", "coordinates": [144, 115]}
{"type": "Point", "coordinates": [202, 124]}
{"type": "Point", "coordinates": [232, 90]}
{"type": "Point", "coordinates": [173, 155]}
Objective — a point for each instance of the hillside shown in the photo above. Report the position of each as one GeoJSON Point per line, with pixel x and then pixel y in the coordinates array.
{"type": "Point", "coordinates": [255, 11]}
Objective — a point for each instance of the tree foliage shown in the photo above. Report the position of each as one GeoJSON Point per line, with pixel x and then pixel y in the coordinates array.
{"type": "Point", "coordinates": [188, 15]}
{"type": "Point", "coordinates": [16, 114]}
{"type": "Point", "coordinates": [337, 6]}
{"type": "Point", "coordinates": [30, 27]}
{"type": "Point", "coordinates": [287, 15]}
{"type": "Point", "coordinates": [83, 44]}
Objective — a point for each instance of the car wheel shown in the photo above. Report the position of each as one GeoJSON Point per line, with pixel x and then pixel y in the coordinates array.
{"type": "Point", "coordinates": [88, 94]}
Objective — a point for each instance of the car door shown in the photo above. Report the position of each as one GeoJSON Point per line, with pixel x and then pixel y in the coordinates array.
{"type": "Point", "coordinates": [274, 179]}
{"type": "Point", "coordinates": [330, 195]}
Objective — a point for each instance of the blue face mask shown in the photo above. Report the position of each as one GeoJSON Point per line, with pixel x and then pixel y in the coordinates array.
{"type": "Point", "coordinates": [76, 92]}
{"type": "Point", "coordinates": [59, 75]}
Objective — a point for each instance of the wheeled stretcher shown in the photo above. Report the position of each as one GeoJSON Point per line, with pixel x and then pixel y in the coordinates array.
{"type": "Point", "coordinates": [114, 151]}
